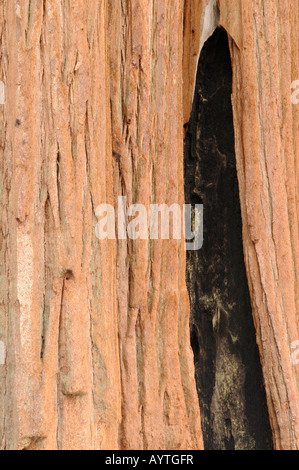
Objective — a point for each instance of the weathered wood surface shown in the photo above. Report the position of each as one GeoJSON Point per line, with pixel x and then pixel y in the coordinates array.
{"type": "Point", "coordinates": [265, 61]}
{"type": "Point", "coordinates": [97, 334]}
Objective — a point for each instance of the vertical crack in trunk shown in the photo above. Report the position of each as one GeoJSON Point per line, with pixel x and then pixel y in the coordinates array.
{"type": "Point", "coordinates": [228, 369]}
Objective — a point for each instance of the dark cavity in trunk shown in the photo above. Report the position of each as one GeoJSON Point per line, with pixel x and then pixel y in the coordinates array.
{"type": "Point", "coordinates": [228, 370]}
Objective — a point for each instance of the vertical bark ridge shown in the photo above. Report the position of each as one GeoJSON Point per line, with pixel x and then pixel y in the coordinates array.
{"type": "Point", "coordinates": [159, 398]}
{"type": "Point", "coordinates": [93, 111]}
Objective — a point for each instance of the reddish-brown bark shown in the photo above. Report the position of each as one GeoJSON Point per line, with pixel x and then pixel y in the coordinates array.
{"type": "Point", "coordinates": [264, 50]}
{"type": "Point", "coordinates": [96, 333]}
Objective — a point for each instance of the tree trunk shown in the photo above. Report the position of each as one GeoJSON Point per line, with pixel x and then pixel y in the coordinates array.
{"type": "Point", "coordinates": [264, 52]}
{"type": "Point", "coordinates": [95, 333]}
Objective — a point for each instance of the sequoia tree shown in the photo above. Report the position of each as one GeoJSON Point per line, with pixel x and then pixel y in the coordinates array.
{"type": "Point", "coordinates": [149, 102]}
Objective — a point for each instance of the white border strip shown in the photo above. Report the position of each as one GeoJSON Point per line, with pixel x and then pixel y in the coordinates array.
{"type": "Point", "coordinates": [2, 353]}
{"type": "Point", "coordinates": [2, 93]}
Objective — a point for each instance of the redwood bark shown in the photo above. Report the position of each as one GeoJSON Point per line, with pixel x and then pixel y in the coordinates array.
{"type": "Point", "coordinates": [96, 333]}
{"type": "Point", "coordinates": [264, 51]}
